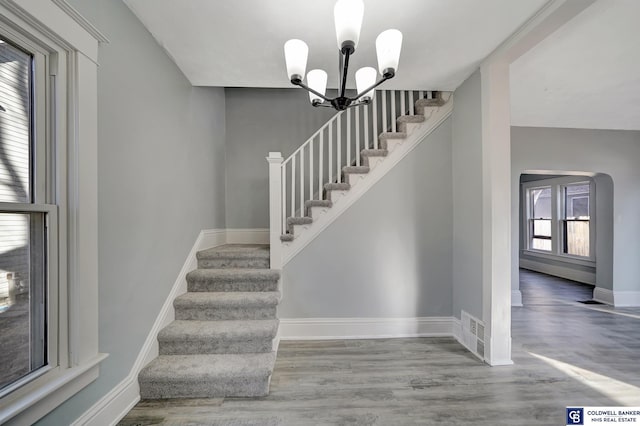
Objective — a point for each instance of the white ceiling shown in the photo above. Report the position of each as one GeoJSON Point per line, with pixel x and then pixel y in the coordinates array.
{"type": "Point", "coordinates": [585, 75]}
{"type": "Point", "coordinates": [239, 43]}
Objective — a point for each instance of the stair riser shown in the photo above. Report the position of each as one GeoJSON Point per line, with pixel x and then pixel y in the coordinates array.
{"type": "Point", "coordinates": [372, 162]}
{"type": "Point", "coordinates": [222, 263]}
{"type": "Point", "coordinates": [391, 144]}
{"type": "Point", "coordinates": [336, 195]}
{"type": "Point", "coordinates": [426, 111]}
{"type": "Point", "coordinates": [208, 346]}
{"type": "Point", "coordinates": [205, 388]}
{"type": "Point", "coordinates": [408, 128]}
{"type": "Point", "coordinates": [316, 212]}
{"type": "Point", "coordinates": [297, 229]}
{"type": "Point", "coordinates": [354, 178]}
{"type": "Point", "coordinates": [214, 314]}
{"type": "Point", "coordinates": [225, 286]}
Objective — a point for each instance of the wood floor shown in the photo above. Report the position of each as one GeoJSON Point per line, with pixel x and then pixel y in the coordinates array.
{"type": "Point", "coordinates": [565, 353]}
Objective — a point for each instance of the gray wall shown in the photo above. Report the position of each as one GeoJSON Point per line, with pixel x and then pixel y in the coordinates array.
{"type": "Point", "coordinates": [467, 197]}
{"type": "Point", "coordinates": [161, 180]}
{"type": "Point", "coordinates": [389, 254]}
{"type": "Point", "coordinates": [614, 156]}
{"type": "Point", "coordinates": [259, 121]}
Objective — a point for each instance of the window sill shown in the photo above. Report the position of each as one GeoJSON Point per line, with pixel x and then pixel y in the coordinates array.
{"type": "Point", "coordinates": [39, 397]}
{"type": "Point", "coordinates": [560, 258]}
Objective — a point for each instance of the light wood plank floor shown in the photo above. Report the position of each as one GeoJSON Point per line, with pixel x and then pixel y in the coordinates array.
{"type": "Point", "coordinates": [565, 353]}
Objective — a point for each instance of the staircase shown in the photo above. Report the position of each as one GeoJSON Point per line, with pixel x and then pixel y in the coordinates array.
{"type": "Point", "coordinates": [220, 344]}
{"type": "Point", "coordinates": [307, 187]}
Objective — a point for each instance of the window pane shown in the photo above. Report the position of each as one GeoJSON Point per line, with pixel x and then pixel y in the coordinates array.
{"type": "Point", "coordinates": [541, 203]}
{"type": "Point", "coordinates": [577, 237]}
{"type": "Point", "coordinates": [542, 228]}
{"type": "Point", "coordinates": [15, 124]}
{"type": "Point", "coordinates": [540, 244]}
{"type": "Point", "coordinates": [22, 320]}
{"type": "Point", "coordinates": [576, 201]}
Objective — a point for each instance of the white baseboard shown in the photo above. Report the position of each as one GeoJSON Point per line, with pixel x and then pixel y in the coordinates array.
{"type": "Point", "coordinates": [516, 298]}
{"type": "Point", "coordinates": [619, 299]}
{"type": "Point", "coordinates": [457, 329]}
{"type": "Point", "coordinates": [248, 236]}
{"type": "Point", "coordinates": [112, 407]}
{"type": "Point", "coordinates": [364, 328]}
{"type": "Point", "coordinates": [559, 271]}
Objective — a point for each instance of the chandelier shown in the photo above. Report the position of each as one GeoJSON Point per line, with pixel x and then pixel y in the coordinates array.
{"type": "Point", "coordinates": [348, 20]}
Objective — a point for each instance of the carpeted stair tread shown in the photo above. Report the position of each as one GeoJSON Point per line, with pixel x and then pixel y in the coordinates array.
{"type": "Point", "coordinates": [430, 102]}
{"type": "Point", "coordinates": [242, 280]}
{"type": "Point", "coordinates": [237, 299]}
{"type": "Point", "coordinates": [233, 275]}
{"type": "Point", "coordinates": [317, 203]}
{"type": "Point", "coordinates": [355, 169]}
{"type": "Point", "coordinates": [207, 376]}
{"type": "Point", "coordinates": [223, 306]}
{"type": "Point", "coordinates": [186, 330]}
{"type": "Point", "coordinates": [251, 256]}
{"type": "Point", "coordinates": [392, 135]}
{"type": "Point", "coordinates": [286, 237]}
{"type": "Point", "coordinates": [340, 186]}
{"type": "Point", "coordinates": [236, 251]}
{"type": "Point", "coordinates": [305, 220]}
{"type": "Point", "coordinates": [374, 152]}
{"type": "Point", "coordinates": [184, 337]}
{"type": "Point", "coordinates": [411, 119]}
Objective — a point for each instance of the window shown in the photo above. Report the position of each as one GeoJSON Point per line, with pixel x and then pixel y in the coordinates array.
{"type": "Point", "coordinates": [540, 222]}
{"type": "Point", "coordinates": [576, 220]}
{"type": "Point", "coordinates": [558, 217]}
{"type": "Point", "coordinates": [25, 279]}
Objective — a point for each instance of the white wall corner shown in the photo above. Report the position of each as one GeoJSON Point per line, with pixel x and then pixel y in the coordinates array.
{"type": "Point", "coordinates": [112, 407]}
{"type": "Point", "coordinates": [364, 328]}
{"type": "Point", "coordinates": [618, 299]}
{"type": "Point", "coordinates": [516, 298]}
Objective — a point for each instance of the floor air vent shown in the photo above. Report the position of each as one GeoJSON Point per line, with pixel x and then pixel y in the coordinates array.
{"type": "Point", "coordinates": [473, 334]}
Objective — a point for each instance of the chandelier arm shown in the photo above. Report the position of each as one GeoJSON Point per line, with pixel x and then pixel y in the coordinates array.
{"type": "Point", "coordinates": [382, 80]}
{"type": "Point", "coordinates": [345, 69]}
{"type": "Point", "coordinates": [309, 89]}
{"type": "Point", "coordinates": [357, 104]}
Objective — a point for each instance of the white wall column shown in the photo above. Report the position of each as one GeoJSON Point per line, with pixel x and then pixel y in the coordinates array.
{"type": "Point", "coordinates": [496, 211]}
{"type": "Point", "coordinates": [496, 173]}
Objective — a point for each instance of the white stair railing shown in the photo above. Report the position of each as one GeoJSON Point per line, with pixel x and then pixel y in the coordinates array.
{"type": "Point", "coordinates": [318, 161]}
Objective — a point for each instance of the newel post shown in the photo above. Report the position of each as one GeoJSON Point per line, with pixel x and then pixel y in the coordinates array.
{"type": "Point", "coordinates": [275, 207]}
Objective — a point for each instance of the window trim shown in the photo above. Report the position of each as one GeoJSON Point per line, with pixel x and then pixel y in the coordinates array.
{"type": "Point", "coordinates": [557, 185]}
{"type": "Point", "coordinates": [71, 43]}
{"type": "Point", "coordinates": [529, 220]}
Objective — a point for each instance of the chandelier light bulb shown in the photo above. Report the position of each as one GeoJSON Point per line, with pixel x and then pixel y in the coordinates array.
{"type": "Point", "coordinates": [348, 16]}
{"type": "Point", "coordinates": [295, 55]}
{"type": "Point", "coordinates": [388, 45]}
{"type": "Point", "coordinates": [317, 80]}
{"type": "Point", "coordinates": [365, 78]}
